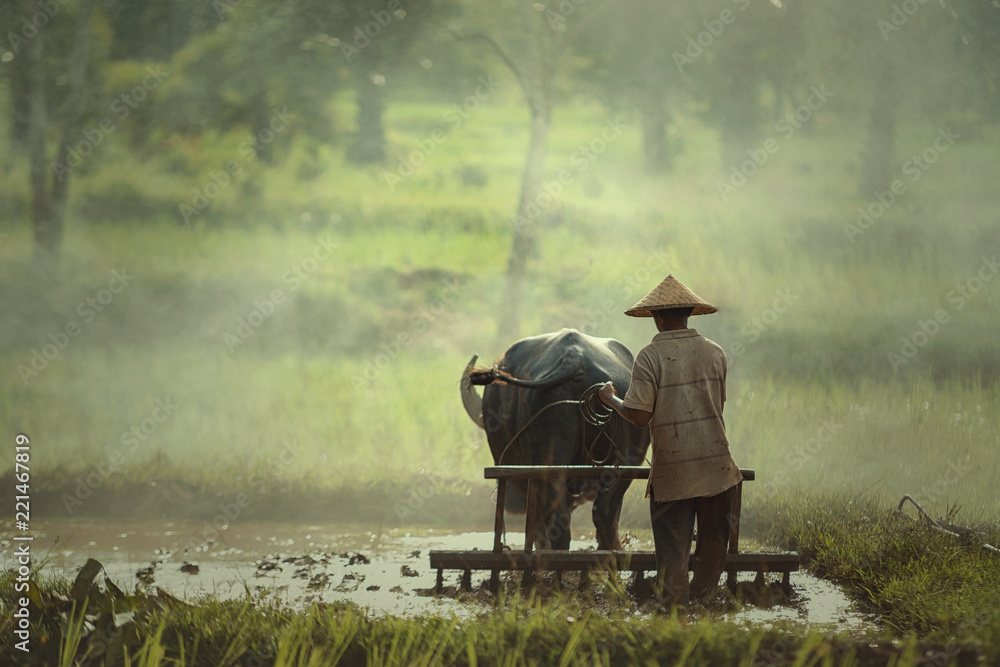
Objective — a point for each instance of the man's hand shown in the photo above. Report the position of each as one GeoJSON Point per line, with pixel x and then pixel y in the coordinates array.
{"type": "Point", "coordinates": [607, 394]}
{"type": "Point", "coordinates": [610, 398]}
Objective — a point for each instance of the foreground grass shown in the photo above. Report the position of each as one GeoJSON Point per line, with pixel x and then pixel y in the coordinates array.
{"type": "Point", "coordinates": [917, 579]}
{"type": "Point", "coordinates": [159, 630]}
{"type": "Point", "coordinates": [938, 599]}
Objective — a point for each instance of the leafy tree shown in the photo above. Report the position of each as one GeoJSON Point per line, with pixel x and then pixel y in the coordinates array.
{"type": "Point", "coordinates": [258, 58]}
{"type": "Point", "coordinates": [373, 36]}
{"type": "Point", "coordinates": [50, 67]}
{"type": "Point", "coordinates": [630, 54]}
{"type": "Point", "coordinates": [721, 55]}
{"type": "Point", "coordinates": [976, 41]}
{"type": "Point", "coordinates": [154, 31]}
{"type": "Point", "coordinates": [894, 61]}
{"type": "Point", "coordinates": [747, 49]}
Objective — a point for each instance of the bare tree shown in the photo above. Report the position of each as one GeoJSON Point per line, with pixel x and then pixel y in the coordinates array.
{"type": "Point", "coordinates": [534, 60]}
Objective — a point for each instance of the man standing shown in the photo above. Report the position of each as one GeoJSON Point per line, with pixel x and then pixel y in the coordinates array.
{"type": "Point", "coordinates": [679, 387]}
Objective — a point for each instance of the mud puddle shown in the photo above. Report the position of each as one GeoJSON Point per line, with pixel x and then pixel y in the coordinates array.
{"type": "Point", "coordinates": [385, 572]}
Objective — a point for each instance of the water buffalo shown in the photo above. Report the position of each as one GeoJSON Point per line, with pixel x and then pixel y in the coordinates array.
{"type": "Point", "coordinates": [534, 373]}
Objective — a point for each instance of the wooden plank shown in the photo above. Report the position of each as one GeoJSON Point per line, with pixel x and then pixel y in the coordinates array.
{"type": "Point", "coordinates": [498, 518]}
{"type": "Point", "coordinates": [734, 522]}
{"type": "Point", "coordinates": [580, 472]}
{"type": "Point", "coordinates": [734, 537]}
{"type": "Point", "coordinates": [498, 531]}
{"type": "Point", "coordinates": [581, 560]}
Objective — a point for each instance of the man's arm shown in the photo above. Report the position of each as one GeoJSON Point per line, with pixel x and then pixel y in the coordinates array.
{"type": "Point", "coordinates": [608, 396]}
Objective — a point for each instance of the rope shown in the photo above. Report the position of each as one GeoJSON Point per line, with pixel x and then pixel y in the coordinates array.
{"type": "Point", "coordinates": [593, 412]}
{"type": "Point", "coordinates": [596, 413]}
{"type": "Point", "coordinates": [530, 421]}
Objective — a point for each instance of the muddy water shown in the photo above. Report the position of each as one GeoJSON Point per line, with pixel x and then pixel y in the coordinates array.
{"type": "Point", "coordinates": [385, 572]}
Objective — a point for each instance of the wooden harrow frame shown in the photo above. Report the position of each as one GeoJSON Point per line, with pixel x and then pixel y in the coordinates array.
{"type": "Point", "coordinates": [530, 561]}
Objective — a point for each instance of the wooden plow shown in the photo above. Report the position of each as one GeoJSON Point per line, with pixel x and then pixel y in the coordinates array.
{"type": "Point", "coordinates": [530, 561]}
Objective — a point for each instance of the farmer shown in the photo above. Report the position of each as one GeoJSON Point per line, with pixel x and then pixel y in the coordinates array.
{"type": "Point", "coordinates": [678, 388]}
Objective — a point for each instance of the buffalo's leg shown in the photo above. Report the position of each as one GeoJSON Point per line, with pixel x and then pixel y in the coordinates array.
{"type": "Point", "coordinates": [607, 509]}
{"type": "Point", "coordinates": [556, 515]}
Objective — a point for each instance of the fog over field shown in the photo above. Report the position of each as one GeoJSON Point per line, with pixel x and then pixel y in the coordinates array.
{"type": "Point", "coordinates": [249, 247]}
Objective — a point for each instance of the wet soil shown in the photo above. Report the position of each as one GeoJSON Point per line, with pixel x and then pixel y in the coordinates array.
{"type": "Point", "coordinates": [384, 572]}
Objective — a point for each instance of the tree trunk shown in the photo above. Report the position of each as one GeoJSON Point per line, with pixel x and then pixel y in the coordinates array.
{"type": "Point", "coordinates": [47, 227]}
{"type": "Point", "coordinates": [656, 154]}
{"type": "Point", "coordinates": [369, 144]}
{"type": "Point", "coordinates": [49, 204]}
{"type": "Point", "coordinates": [261, 118]}
{"type": "Point", "coordinates": [536, 82]}
{"type": "Point", "coordinates": [20, 103]}
{"type": "Point", "coordinates": [530, 208]}
{"type": "Point", "coordinates": [876, 174]}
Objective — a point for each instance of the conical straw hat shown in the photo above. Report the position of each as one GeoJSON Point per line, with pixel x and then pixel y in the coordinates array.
{"type": "Point", "coordinates": [671, 293]}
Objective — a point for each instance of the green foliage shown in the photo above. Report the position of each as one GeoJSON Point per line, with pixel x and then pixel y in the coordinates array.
{"type": "Point", "coordinates": [258, 59]}
{"type": "Point", "coordinates": [561, 629]}
{"type": "Point", "coordinates": [916, 578]}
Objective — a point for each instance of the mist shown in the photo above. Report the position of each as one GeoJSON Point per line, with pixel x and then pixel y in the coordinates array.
{"type": "Point", "coordinates": [249, 248]}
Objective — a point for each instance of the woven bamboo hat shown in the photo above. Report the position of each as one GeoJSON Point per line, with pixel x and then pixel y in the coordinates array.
{"type": "Point", "coordinates": [671, 293]}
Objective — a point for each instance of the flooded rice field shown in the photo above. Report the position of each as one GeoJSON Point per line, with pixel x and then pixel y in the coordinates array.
{"type": "Point", "coordinates": [383, 572]}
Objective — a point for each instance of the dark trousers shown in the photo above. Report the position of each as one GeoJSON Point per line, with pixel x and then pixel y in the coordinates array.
{"type": "Point", "coordinates": [673, 529]}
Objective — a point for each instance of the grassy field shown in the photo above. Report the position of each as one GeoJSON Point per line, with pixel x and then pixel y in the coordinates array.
{"type": "Point", "coordinates": [305, 332]}
{"type": "Point", "coordinates": [808, 317]}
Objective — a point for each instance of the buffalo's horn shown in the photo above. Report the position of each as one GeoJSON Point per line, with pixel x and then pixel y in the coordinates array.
{"type": "Point", "coordinates": [470, 399]}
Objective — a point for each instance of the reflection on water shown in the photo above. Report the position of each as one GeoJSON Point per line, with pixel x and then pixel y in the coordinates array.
{"type": "Point", "coordinates": [304, 563]}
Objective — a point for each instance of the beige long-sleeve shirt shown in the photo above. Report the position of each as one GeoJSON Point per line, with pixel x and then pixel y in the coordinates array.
{"type": "Point", "coordinates": [681, 378]}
